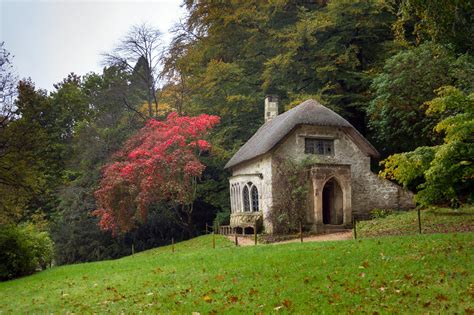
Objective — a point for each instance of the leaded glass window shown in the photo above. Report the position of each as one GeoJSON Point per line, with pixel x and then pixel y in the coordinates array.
{"type": "Point", "coordinates": [246, 196]}
{"type": "Point", "coordinates": [318, 146]}
{"type": "Point", "coordinates": [254, 193]}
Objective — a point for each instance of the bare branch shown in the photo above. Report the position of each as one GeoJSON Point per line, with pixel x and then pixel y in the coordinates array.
{"type": "Point", "coordinates": [129, 106]}
{"type": "Point", "coordinates": [8, 91]}
{"type": "Point", "coordinates": [141, 44]}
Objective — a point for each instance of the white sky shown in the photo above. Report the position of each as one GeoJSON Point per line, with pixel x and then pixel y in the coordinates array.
{"type": "Point", "coordinates": [50, 39]}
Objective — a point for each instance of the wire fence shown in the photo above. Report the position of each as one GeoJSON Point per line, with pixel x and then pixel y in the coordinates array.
{"type": "Point", "coordinates": [382, 223]}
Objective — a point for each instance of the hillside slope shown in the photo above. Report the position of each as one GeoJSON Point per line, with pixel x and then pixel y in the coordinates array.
{"type": "Point", "coordinates": [414, 274]}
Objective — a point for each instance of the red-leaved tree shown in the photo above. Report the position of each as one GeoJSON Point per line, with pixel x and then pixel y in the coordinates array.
{"type": "Point", "coordinates": [158, 164]}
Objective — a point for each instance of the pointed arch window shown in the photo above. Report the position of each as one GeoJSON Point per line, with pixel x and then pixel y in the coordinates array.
{"type": "Point", "coordinates": [254, 197]}
{"type": "Point", "coordinates": [250, 197]}
{"type": "Point", "coordinates": [233, 205]}
{"type": "Point", "coordinates": [238, 198]}
{"type": "Point", "coordinates": [246, 198]}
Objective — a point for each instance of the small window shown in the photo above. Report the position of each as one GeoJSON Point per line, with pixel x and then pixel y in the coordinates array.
{"type": "Point", "coordinates": [318, 146]}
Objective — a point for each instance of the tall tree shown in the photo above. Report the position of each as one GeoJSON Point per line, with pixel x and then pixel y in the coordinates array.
{"type": "Point", "coordinates": [139, 52]}
{"type": "Point", "coordinates": [33, 159]}
{"type": "Point", "coordinates": [8, 82]}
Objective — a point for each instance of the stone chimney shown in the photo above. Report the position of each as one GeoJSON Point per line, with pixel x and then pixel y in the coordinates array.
{"type": "Point", "coordinates": [271, 107]}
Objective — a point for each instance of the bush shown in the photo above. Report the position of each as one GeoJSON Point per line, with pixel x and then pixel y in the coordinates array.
{"type": "Point", "coordinates": [380, 213]}
{"type": "Point", "coordinates": [23, 250]}
{"type": "Point", "coordinates": [222, 218]}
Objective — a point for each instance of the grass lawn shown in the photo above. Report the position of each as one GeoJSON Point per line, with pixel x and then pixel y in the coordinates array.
{"type": "Point", "coordinates": [433, 220]}
{"type": "Point", "coordinates": [408, 274]}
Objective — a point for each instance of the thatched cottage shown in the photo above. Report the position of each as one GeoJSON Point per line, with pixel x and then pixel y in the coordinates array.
{"type": "Point", "coordinates": [342, 184]}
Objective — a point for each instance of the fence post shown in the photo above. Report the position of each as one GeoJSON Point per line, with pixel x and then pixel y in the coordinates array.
{"type": "Point", "coordinates": [172, 244]}
{"type": "Point", "coordinates": [301, 232]}
{"type": "Point", "coordinates": [207, 231]}
{"type": "Point", "coordinates": [419, 221]}
{"type": "Point", "coordinates": [213, 239]}
{"type": "Point", "coordinates": [236, 240]}
{"type": "Point", "coordinates": [355, 227]}
{"type": "Point", "coordinates": [133, 249]}
{"type": "Point", "coordinates": [255, 233]}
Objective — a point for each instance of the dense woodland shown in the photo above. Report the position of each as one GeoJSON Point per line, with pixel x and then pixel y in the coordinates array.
{"type": "Point", "coordinates": [401, 71]}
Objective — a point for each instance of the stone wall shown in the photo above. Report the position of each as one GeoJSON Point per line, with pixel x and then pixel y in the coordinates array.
{"type": "Point", "coordinates": [374, 192]}
{"type": "Point", "coordinates": [368, 190]}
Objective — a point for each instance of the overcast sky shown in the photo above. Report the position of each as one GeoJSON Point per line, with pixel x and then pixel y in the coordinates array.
{"type": "Point", "coordinates": [50, 39]}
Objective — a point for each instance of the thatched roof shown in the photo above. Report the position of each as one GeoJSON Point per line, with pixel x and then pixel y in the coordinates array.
{"type": "Point", "coordinates": [309, 112]}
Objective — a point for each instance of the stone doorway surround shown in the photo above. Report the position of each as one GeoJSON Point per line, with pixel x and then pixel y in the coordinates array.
{"type": "Point", "coordinates": [320, 175]}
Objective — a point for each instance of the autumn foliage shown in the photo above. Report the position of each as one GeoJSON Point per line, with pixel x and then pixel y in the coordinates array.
{"type": "Point", "coordinates": [158, 164]}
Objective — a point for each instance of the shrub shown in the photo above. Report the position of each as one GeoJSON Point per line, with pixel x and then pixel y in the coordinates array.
{"type": "Point", "coordinates": [222, 218]}
{"type": "Point", "coordinates": [23, 250]}
{"type": "Point", "coordinates": [380, 213]}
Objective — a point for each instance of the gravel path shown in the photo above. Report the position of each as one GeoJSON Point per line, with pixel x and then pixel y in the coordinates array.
{"type": "Point", "coordinates": [348, 235]}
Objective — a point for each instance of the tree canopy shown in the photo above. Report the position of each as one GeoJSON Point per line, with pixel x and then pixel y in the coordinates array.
{"type": "Point", "coordinates": [158, 164]}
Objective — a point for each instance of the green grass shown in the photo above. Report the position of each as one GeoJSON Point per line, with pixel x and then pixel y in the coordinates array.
{"type": "Point", "coordinates": [410, 274]}
{"type": "Point", "coordinates": [433, 220]}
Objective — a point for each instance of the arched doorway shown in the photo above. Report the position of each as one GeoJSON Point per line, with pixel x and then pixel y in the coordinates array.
{"type": "Point", "coordinates": [332, 203]}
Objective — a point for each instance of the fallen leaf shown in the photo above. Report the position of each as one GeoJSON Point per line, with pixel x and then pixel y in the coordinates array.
{"type": "Point", "coordinates": [207, 298]}
{"type": "Point", "coordinates": [441, 297]}
{"type": "Point", "coordinates": [233, 299]}
{"type": "Point", "coordinates": [287, 303]}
